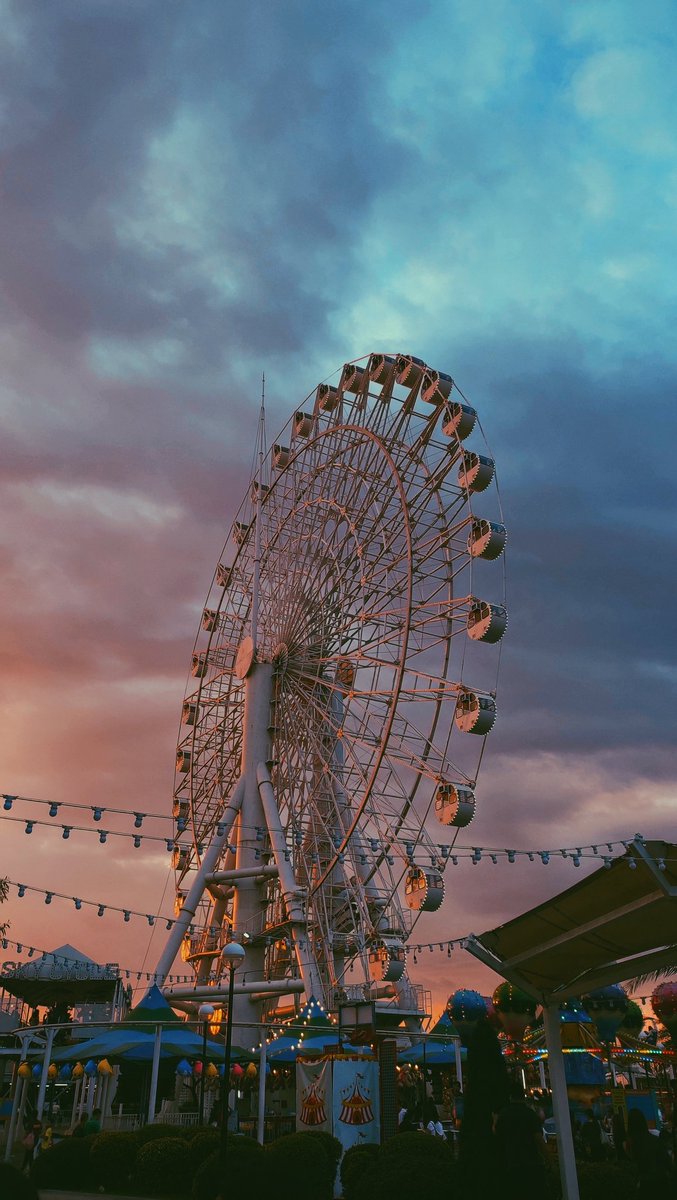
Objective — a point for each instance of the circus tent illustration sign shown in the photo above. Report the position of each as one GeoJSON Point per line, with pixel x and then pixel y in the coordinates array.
{"type": "Point", "coordinates": [313, 1096]}
{"type": "Point", "coordinates": [341, 1096]}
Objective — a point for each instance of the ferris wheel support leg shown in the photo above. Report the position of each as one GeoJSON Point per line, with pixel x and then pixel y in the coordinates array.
{"type": "Point", "coordinates": [293, 899]}
{"type": "Point", "coordinates": [207, 866]}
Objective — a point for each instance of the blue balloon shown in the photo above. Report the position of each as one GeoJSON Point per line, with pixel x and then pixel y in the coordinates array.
{"type": "Point", "coordinates": [65, 1071]}
{"type": "Point", "coordinates": [607, 1006]}
{"type": "Point", "coordinates": [37, 1071]}
{"type": "Point", "coordinates": [184, 1067]}
{"type": "Point", "coordinates": [90, 1067]}
{"type": "Point", "coordinates": [465, 1008]}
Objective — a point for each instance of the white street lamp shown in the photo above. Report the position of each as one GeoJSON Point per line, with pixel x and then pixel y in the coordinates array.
{"type": "Point", "coordinates": [232, 956]}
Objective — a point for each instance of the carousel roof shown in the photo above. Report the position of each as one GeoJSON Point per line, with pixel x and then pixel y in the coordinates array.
{"type": "Point", "coordinates": [65, 976]}
{"type": "Point", "coordinates": [617, 923]}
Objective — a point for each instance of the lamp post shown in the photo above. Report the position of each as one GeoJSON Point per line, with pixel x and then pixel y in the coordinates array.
{"type": "Point", "coordinates": [232, 955]}
{"type": "Point", "coordinates": [205, 1011]}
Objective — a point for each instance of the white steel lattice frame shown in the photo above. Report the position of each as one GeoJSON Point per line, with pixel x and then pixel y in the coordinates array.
{"type": "Point", "coordinates": [365, 585]}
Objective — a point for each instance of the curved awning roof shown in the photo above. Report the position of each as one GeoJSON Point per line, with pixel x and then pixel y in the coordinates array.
{"type": "Point", "coordinates": [618, 923]}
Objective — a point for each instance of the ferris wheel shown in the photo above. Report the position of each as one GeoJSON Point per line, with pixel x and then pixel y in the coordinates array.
{"type": "Point", "coordinates": [342, 686]}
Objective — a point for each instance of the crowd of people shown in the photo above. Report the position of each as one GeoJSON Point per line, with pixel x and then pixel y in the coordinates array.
{"type": "Point", "coordinates": [519, 1144]}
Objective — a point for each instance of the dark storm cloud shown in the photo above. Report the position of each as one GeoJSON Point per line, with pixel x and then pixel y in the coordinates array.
{"type": "Point", "coordinates": [286, 181]}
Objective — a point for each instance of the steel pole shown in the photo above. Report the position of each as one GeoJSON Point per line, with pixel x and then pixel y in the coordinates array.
{"type": "Point", "coordinates": [204, 1072]}
{"type": "Point", "coordinates": [263, 1063]}
{"type": "Point", "coordinates": [560, 1103]}
{"type": "Point", "coordinates": [226, 1067]}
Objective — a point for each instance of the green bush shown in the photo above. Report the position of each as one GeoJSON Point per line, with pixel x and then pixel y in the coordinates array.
{"type": "Point", "coordinates": [417, 1145]}
{"type": "Point", "coordinates": [112, 1158]}
{"type": "Point", "coordinates": [599, 1181]}
{"type": "Point", "coordinates": [152, 1133]}
{"type": "Point", "coordinates": [356, 1164]}
{"type": "Point", "coordinates": [332, 1150]}
{"type": "Point", "coordinates": [404, 1162]}
{"type": "Point", "coordinates": [297, 1168]}
{"type": "Point", "coordinates": [201, 1147]}
{"type": "Point", "coordinates": [246, 1171]}
{"type": "Point", "coordinates": [66, 1166]}
{"type": "Point", "coordinates": [162, 1165]}
{"type": "Point", "coordinates": [193, 1131]}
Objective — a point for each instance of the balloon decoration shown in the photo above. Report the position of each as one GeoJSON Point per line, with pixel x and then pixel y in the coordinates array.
{"type": "Point", "coordinates": [37, 1071]}
{"type": "Point", "coordinates": [251, 1071]}
{"type": "Point", "coordinates": [633, 1021]}
{"type": "Point", "coordinates": [90, 1068]}
{"type": "Point", "coordinates": [104, 1067]}
{"type": "Point", "coordinates": [237, 1071]}
{"type": "Point", "coordinates": [78, 1071]}
{"type": "Point", "coordinates": [197, 1067]}
{"type": "Point", "coordinates": [52, 1071]}
{"type": "Point", "coordinates": [212, 1071]}
{"type": "Point", "coordinates": [24, 1071]}
{"type": "Point", "coordinates": [515, 1009]}
{"type": "Point", "coordinates": [465, 1008]}
{"type": "Point", "coordinates": [607, 1006]}
{"type": "Point", "coordinates": [65, 1071]}
{"type": "Point", "coordinates": [664, 1004]}
{"type": "Point", "coordinates": [184, 1068]}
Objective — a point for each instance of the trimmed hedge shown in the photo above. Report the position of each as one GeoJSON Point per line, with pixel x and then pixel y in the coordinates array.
{"type": "Point", "coordinates": [297, 1167]}
{"type": "Point", "coordinates": [162, 1165]}
{"type": "Point", "coordinates": [153, 1133]}
{"type": "Point", "coordinates": [332, 1150]}
{"type": "Point", "coordinates": [246, 1171]}
{"type": "Point", "coordinates": [112, 1159]}
{"type": "Point", "coordinates": [400, 1167]}
{"type": "Point", "coordinates": [66, 1166]}
{"type": "Point", "coordinates": [356, 1163]}
{"type": "Point", "coordinates": [201, 1147]}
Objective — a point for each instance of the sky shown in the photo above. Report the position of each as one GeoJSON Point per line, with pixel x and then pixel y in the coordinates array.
{"type": "Point", "coordinates": [194, 193]}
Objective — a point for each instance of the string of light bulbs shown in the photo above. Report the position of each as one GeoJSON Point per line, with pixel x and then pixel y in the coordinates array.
{"type": "Point", "coordinates": [79, 902]}
{"type": "Point", "coordinates": [411, 852]}
{"type": "Point", "coordinates": [90, 969]}
{"type": "Point", "coordinates": [131, 973]}
{"type": "Point", "coordinates": [97, 810]}
{"type": "Point", "coordinates": [103, 834]}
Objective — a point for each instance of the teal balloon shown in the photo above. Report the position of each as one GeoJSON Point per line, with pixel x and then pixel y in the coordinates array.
{"type": "Point", "coordinates": [606, 1007]}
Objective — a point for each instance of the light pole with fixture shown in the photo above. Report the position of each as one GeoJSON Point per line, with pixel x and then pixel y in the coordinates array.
{"type": "Point", "coordinates": [205, 1011]}
{"type": "Point", "coordinates": [232, 955]}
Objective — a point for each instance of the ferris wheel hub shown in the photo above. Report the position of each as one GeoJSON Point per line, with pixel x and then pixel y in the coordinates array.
{"type": "Point", "coordinates": [245, 658]}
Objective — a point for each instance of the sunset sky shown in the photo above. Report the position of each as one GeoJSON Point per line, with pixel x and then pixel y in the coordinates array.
{"type": "Point", "coordinates": [195, 193]}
